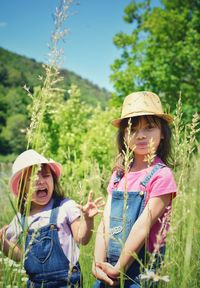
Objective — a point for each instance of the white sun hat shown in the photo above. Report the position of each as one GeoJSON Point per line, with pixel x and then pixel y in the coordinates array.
{"type": "Point", "coordinates": [27, 159]}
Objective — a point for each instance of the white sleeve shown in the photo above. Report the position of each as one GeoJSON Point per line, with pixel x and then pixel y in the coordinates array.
{"type": "Point", "coordinates": [73, 212]}
{"type": "Point", "coordinates": [69, 211]}
{"type": "Point", "coordinates": [14, 229]}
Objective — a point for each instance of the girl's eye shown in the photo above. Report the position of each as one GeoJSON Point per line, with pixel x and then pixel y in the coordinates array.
{"type": "Point", "coordinates": [133, 129]}
{"type": "Point", "coordinates": [149, 127]}
{"type": "Point", "coordinates": [130, 130]}
{"type": "Point", "coordinates": [46, 175]}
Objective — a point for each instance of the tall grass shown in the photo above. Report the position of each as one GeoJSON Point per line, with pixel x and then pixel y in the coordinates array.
{"type": "Point", "coordinates": [46, 100]}
{"type": "Point", "coordinates": [183, 242]}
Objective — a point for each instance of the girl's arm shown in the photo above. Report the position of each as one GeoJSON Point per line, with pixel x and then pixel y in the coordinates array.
{"type": "Point", "coordinates": [139, 232]}
{"type": "Point", "coordinates": [9, 248]}
{"type": "Point", "coordinates": [83, 226]}
{"type": "Point", "coordinates": [82, 229]}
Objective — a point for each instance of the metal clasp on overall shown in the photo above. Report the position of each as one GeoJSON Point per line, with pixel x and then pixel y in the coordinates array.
{"type": "Point", "coordinates": [141, 193]}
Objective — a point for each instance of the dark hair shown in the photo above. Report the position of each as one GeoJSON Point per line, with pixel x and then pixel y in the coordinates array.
{"type": "Point", "coordinates": [57, 192]}
{"type": "Point", "coordinates": [164, 148]}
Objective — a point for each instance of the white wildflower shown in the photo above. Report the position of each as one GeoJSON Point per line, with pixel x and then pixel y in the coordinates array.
{"type": "Point", "coordinates": [151, 275]}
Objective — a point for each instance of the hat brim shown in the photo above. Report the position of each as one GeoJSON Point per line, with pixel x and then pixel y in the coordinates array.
{"type": "Point", "coordinates": [167, 117]}
{"type": "Point", "coordinates": [14, 181]}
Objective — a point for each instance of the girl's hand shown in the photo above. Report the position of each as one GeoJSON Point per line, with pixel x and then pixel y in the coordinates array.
{"type": "Point", "coordinates": [102, 276]}
{"type": "Point", "coordinates": [109, 269]}
{"type": "Point", "coordinates": [91, 208]}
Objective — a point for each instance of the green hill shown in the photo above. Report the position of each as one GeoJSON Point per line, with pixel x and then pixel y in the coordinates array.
{"type": "Point", "coordinates": [17, 71]}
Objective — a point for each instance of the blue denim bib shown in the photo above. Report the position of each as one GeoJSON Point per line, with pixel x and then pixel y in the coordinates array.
{"type": "Point", "coordinates": [45, 262]}
{"type": "Point", "coordinates": [125, 210]}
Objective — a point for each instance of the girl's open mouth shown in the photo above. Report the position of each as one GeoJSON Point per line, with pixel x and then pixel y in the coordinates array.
{"type": "Point", "coordinates": [41, 193]}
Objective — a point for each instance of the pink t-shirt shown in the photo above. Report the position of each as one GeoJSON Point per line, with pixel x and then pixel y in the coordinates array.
{"type": "Point", "coordinates": [162, 182]}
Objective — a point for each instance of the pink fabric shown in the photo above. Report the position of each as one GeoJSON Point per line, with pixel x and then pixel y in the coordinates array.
{"type": "Point", "coordinates": [161, 183]}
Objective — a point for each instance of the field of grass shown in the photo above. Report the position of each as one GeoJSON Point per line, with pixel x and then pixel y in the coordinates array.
{"type": "Point", "coordinates": [183, 242]}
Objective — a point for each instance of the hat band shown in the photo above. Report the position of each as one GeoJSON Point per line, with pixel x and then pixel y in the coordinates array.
{"type": "Point", "coordinates": [141, 113]}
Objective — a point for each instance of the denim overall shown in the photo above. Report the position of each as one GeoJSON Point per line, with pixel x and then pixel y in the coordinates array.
{"type": "Point", "coordinates": [123, 215]}
{"type": "Point", "coordinates": [45, 262]}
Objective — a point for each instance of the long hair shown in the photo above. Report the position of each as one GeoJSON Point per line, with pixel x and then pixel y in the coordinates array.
{"type": "Point", "coordinates": [57, 191]}
{"type": "Point", "coordinates": [164, 148]}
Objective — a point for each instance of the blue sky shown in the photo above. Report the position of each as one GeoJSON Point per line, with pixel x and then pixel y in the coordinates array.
{"type": "Point", "coordinates": [26, 25]}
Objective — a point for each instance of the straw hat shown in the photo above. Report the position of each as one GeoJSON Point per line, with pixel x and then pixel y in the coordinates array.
{"type": "Point", "coordinates": [142, 103]}
{"type": "Point", "coordinates": [26, 159]}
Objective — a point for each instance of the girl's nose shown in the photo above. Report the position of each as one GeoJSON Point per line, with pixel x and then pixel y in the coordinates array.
{"type": "Point", "coordinates": [40, 179]}
{"type": "Point", "coordinates": [140, 134]}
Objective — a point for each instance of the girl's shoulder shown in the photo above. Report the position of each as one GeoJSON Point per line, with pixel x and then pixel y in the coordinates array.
{"type": "Point", "coordinates": [67, 202]}
{"type": "Point", "coordinates": [17, 218]}
{"type": "Point", "coordinates": [162, 182]}
{"type": "Point", "coordinates": [68, 210]}
{"type": "Point", "coordinates": [163, 171]}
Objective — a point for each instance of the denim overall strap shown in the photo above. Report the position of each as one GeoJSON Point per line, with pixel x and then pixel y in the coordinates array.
{"type": "Point", "coordinates": [45, 262]}
{"type": "Point", "coordinates": [153, 171]}
{"type": "Point", "coordinates": [54, 211]}
{"type": "Point", "coordinates": [23, 222]}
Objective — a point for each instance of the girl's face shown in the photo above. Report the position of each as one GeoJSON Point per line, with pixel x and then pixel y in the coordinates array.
{"type": "Point", "coordinates": [142, 135]}
{"type": "Point", "coordinates": [43, 187]}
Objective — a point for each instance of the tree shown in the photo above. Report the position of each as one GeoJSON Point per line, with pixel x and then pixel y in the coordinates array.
{"type": "Point", "coordinates": [3, 107]}
{"type": "Point", "coordinates": [17, 101]}
{"type": "Point", "coordinates": [100, 139]}
{"type": "Point", "coordinates": [3, 74]}
{"type": "Point", "coordinates": [162, 52]}
{"type": "Point", "coordinates": [71, 123]}
{"type": "Point", "coordinates": [14, 134]}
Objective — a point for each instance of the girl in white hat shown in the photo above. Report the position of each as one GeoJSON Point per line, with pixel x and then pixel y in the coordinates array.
{"type": "Point", "coordinates": [140, 192]}
{"type": "Point", "coordinates": [50, 222]}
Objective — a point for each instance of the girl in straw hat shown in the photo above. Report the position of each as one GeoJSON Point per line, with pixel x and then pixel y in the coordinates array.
{"type": "Point", "coordinates": [136, 216]}
{"type": "Point", "coordinates": [51, 224]}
